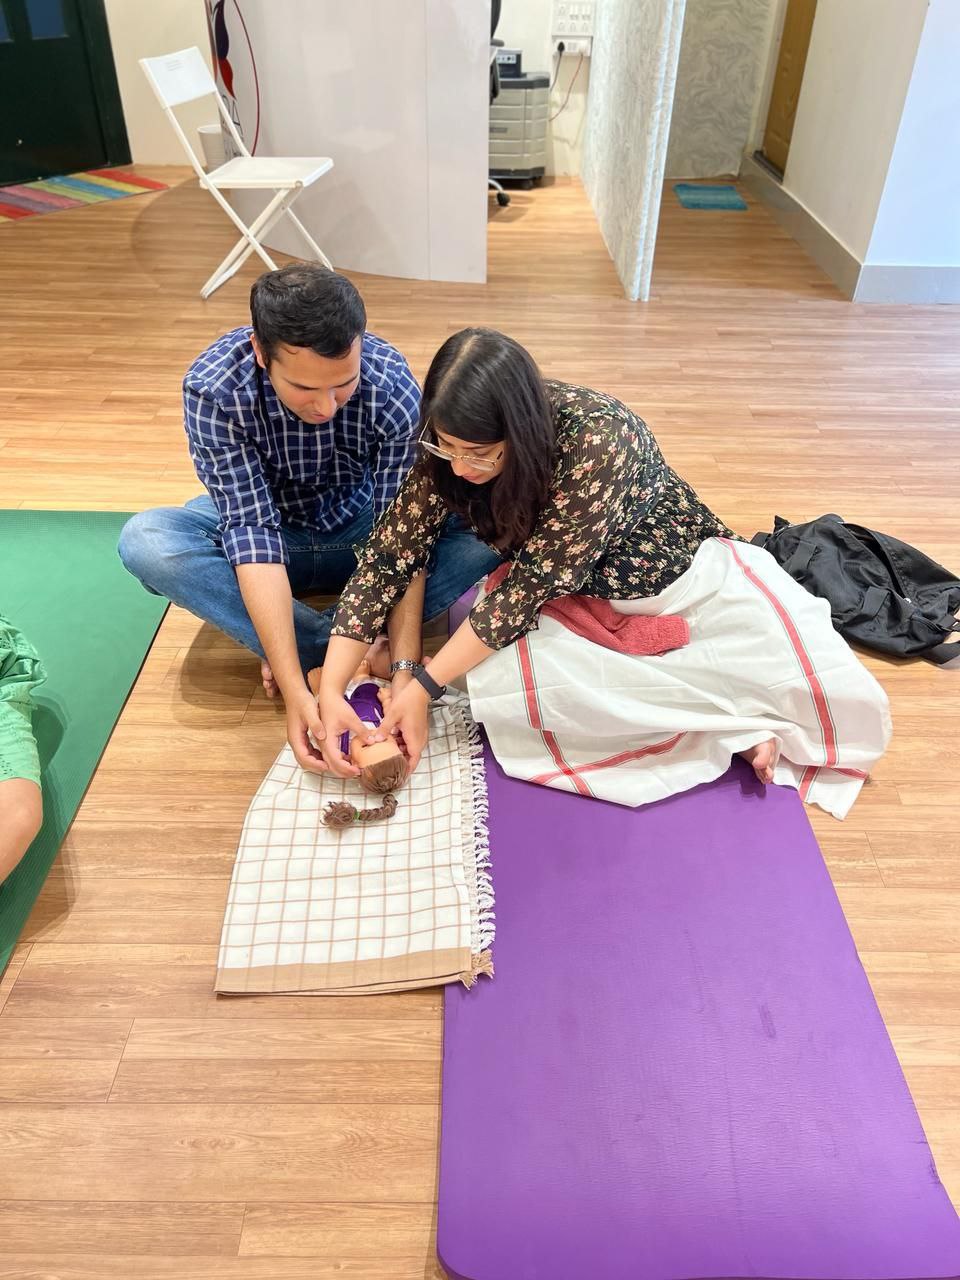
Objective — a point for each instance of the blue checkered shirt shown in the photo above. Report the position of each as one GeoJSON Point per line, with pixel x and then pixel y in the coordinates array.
{"type": "Point", "coordinates": [264, 467]}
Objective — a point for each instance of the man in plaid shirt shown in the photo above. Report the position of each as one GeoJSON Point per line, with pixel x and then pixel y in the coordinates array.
{"type": "Point", "coordinates": [301, 432]}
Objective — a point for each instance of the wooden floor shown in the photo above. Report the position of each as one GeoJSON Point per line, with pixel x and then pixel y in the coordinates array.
{"type": "Point", "coordinates": [149, 1128]}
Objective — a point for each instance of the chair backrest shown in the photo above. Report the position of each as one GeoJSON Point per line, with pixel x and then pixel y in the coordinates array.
{"type": "Point", "coordinates": [182, 77]}
{"type": "Point", "coordinates": [179, 77]}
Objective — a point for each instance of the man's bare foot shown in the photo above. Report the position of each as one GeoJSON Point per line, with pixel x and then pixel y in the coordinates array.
{"type": "Point", "coordinates": [270, 686]}
{"type": "Point", "coordinates": [762, 758]}
{"type": "Point", "coordinates": [378, 656]}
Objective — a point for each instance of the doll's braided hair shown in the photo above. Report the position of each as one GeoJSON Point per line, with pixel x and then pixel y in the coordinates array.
{"type": "Point", "coordinates": [382, 778]}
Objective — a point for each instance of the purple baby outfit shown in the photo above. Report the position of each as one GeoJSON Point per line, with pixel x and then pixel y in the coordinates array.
{"type": "Point", "coordinates": [366, 703]}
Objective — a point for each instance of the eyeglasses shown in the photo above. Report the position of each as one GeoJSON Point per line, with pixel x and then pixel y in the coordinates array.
{"type": "Point", "coordinates": [473, 461]}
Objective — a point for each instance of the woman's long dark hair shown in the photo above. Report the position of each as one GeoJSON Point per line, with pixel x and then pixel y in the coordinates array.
{"type": "Point", "coordinates": [484, 387]}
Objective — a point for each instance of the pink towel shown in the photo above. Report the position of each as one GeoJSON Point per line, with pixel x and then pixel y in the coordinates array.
{"type": "Point", "coordinates": [597, 620]}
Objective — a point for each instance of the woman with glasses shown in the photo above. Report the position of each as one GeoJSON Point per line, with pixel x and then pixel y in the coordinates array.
{"type": "Point", "coordinates": [566, 483]}
{"type": "Point", "coordinates": [570, 487]}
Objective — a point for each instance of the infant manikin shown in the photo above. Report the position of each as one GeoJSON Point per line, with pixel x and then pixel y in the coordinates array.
{"type": "Point", "coordinates": [382, 765]}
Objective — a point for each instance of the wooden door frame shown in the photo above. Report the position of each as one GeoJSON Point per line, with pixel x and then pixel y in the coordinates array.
{"type": "Point", "coordinates": [103, 75]}
{"type": "Point", "coordinates": [762, 120]}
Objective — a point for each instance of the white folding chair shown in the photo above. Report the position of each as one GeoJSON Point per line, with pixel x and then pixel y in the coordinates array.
{"type": "Point", "coordinates": [182, 77]}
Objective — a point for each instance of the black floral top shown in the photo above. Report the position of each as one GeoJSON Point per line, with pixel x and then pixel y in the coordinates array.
{"type": "Point", "coordinates": [619, 524]}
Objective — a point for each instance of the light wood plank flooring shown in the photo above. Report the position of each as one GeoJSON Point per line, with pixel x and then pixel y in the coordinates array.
{"type": "Point", "coordinates": [151, 1129]}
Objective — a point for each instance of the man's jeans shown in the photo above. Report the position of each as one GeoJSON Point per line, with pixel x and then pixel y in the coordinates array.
{"type": "Point", "coordinates": [175, 553]}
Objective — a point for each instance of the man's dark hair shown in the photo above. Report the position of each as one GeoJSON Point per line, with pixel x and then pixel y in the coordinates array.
{"type": "Point", "coordinates": [305, 304]}
{"type": "Point", "coordinates": [484, 387]}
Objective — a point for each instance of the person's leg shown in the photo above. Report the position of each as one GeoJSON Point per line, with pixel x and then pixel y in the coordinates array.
{"type": "Point", "coordinates": [332, 561]}
{"type": "Point", "coordinates": [458, 562]}
{"type": "Point", "coordinates": [174, 552]}
{"type": "Point", "coordinates": [22, 809]}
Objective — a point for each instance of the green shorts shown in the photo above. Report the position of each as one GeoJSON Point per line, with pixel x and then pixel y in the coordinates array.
{"type": "Point", "coordinates": [20, 672]}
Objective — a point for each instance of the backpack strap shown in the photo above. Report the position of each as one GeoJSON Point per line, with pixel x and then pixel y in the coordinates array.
{"type": "Point", "coordinates": [799, 562]}
{"type": "Point", "coordinates": [873, 600]}
{"type": "Point", "coordinates": [945, 655]}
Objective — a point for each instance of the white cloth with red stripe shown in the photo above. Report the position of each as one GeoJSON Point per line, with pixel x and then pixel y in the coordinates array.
{"type": "Point", "coordinates": [764, 661]}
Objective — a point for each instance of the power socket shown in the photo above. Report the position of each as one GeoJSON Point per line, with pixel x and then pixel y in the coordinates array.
{"type": "Point", "coordinates": [582, 47]}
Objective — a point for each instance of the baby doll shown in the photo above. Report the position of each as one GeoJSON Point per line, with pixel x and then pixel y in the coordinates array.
{"type": "Point", "coordinates": [382, 765]}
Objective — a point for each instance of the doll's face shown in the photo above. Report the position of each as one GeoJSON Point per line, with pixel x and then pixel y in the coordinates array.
{"type": "Point", "coordinates": [363, 755]}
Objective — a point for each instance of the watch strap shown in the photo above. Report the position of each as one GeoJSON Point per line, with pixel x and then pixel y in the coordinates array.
{"type": "Point", "coordinates": [404, 664]}
{"type": "Point", "coordinates": [424, 678]}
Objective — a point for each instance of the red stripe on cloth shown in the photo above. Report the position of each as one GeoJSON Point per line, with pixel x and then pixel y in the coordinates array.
{"type": "Point", "coordinates": [565, 770]}
{"type": "Point", "coordinates": [817, 691]}
{"type": "Point", "coordinates": [134, 179]}
{"type": "Point", "coordinates": [536, 720]}
{"type": "Point", "coordinates": [808, 779]}
{"type": "Point", "coordinates": [12, 211]}
{"type": "Point", "coordinates": [657, 749]}
{"type": "Point", "coordinates": [853, 773]}
{"type": "Point", "coordinates": [529, 685]}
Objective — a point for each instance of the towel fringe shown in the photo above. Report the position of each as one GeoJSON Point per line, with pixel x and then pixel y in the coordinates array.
{"type": "Point", "coordinates": [481, 966]}
{"type": "Point", "coordinates": [476, 839]}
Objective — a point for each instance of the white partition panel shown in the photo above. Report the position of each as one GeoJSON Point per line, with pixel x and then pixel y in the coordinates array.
{"type": "Point", "coordinates": [397, 92]}
{"type": "Point", "coordinates": [635, 54]}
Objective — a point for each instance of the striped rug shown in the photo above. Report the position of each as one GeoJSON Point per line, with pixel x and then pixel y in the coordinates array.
{"type": "Point", "coordinates": [24, 200]}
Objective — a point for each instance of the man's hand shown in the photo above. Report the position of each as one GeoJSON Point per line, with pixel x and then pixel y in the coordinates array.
{"type": "Point", "coordinates": [303, 721]}
{"type": "Point", "coordinates": [399, 681]}
{"type": "Point", "coordinates": [406, 717]}
{"type": "Point", "coordinates": [339, 717]}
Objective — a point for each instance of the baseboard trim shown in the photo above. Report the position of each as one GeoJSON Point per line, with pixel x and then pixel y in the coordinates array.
{"type": "Point", "coordinates": [907, 284]}
{"type": "Point", "coordinates": [860, 282]}
{"type": "Point", "coordinates": [826, 250]}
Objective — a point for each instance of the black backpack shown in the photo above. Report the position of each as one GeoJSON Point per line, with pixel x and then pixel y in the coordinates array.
{"type": "Point", "coordinates": [883, 593]}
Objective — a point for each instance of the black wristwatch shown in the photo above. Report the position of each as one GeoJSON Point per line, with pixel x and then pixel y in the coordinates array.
{"type": "Point", "coordinates": [424, 678]}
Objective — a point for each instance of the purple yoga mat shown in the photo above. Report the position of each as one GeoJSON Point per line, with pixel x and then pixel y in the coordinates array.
{"type": "Point", "coordinates": [679, 1069]}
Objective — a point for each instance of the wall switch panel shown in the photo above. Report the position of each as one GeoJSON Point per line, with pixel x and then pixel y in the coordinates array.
{"type": "Point", "coordinates": [572, 18]}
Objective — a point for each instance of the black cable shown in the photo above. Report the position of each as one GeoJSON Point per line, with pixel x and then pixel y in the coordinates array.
{"type": "Point", "coordinates": [560, 48]}
{"type": "Point", "coordinates": [569, 90]}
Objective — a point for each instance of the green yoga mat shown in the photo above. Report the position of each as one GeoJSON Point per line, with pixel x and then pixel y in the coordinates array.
{"type": "Point", "coordinates": [63, 586]}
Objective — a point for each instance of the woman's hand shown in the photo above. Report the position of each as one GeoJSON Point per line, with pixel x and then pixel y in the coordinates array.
{"type": "Point", "coordinates": [303, 723]}
{"type": "Point", "coordinates": [339, 717]}
{"type": "Point", "coordinates": [406, 717]}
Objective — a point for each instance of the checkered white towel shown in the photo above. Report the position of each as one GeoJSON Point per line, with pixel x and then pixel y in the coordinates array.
{"type": "Point", "coordinates": [376, 907]}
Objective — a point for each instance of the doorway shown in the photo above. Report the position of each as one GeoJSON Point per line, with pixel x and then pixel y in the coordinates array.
{"type": "Point", "coordinates": [788, 77]}
{"type": "Point", "coordinates": [60, 108]}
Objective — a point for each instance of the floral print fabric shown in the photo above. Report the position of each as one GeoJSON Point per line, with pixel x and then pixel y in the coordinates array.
{"type": "Point", "coordinates": [619, 524]}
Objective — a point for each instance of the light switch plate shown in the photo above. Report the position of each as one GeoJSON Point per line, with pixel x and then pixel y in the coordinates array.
{"type": "Point", "coordinates": [572, 18]}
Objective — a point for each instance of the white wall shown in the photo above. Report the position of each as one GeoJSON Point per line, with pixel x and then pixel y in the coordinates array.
{"type": "Point", "coordinates": [398, 95]}
{"type": "Point", "coordinates": [858, 69]}
{"type": "Point", "coordinates": [918, 222]}
{"type": "Point", "coordinates": [525, 25]}
{"type": "Point", "coordinates": [636, 49]}
{"type": "Point", "coordinates": [723, 55]}
{"type": "Point", "coordinates": [144, 29]}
